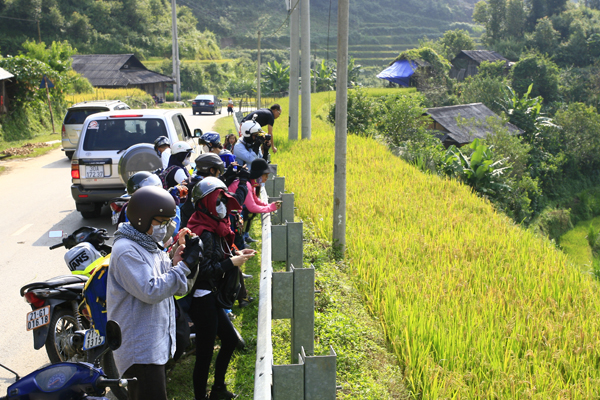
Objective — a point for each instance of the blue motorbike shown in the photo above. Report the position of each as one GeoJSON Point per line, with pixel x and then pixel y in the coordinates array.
{"type": "Point", "coordinates": [67, 380]}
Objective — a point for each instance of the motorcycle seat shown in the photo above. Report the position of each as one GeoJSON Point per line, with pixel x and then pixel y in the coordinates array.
{"type": "Point", "coordinates": [55, 282]}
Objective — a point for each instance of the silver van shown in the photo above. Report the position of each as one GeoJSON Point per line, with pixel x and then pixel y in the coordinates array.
{"type": "Point", "coordinates": [106, 137]}
{"type": "Point", "coordinates": [76, 114]}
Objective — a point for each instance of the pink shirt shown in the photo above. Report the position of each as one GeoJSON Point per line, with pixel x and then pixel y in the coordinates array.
{"type": "Point", "coordinates": [252, 202]}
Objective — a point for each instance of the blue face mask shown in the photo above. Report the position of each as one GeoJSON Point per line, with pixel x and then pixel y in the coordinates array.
{"type": "Point", "coordinates": [158, 233]}
{"type": "Point", "coordinates": [259, 180]}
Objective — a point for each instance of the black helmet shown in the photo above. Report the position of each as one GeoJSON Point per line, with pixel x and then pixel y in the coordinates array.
{"type": "Point", "coordinates": [259, 167]}
{"type": "Point", "coordinates": [141, 179]}
{"type": "Point", "coordinates": [161, 141]}
{"type": "Point", "coordinates": [147, 203]}
{"type": "Point", "coordinates": [204, 162]}
{"type": "Point", "coordinates": [205, 187]}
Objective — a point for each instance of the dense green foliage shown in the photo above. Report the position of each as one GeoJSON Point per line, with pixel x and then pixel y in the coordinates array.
{"type": "Point", "coordinates": [142, 27]}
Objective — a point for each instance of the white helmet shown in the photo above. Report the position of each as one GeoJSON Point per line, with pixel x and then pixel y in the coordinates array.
{"type": "Point", "coordinates": [250, 127]}
{"type": "Point", "coordinates": [181, 147]}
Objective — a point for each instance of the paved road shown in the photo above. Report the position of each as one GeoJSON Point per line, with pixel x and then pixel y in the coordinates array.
{"type": "Point", "coordinates": [35, 198]}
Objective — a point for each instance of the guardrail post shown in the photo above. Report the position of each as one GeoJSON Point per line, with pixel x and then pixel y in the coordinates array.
{"type": "Point", "coordinates": [276, 215]}
{"type": "Point", "coordinates": [295, 251]}
{"type": "Point", "coordinates": [273, 169]}
{"type": "Point", "coordinates": [283, 295]}
{"type": "Point", "coordinates": [303, 321]}
{"type": "Point", "coordinates": [278, 185]}
{"type": "Point", "coordinates": [269, 187]}
{"type": "Point", "coordinates": [279, 246]}
{"type": "Point", "coordinates": [288, 381]}
{"type": "Point", "coordinates": [286, 211]}
{"type": "Point", "coordinates": [319, 376]}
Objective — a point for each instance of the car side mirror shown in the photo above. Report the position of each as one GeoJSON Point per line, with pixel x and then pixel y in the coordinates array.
{"type": "Point", "coordinates": [197, 132]}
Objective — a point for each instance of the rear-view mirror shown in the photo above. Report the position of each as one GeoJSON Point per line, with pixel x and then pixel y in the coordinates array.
{"type": "Point", "coordinates": [197, 132]}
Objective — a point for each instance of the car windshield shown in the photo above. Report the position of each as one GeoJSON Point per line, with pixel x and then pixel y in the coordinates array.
{"type": "Point", "coordinates": [120, 133]}
{"type": "Point", "coordinates": [78, 115]}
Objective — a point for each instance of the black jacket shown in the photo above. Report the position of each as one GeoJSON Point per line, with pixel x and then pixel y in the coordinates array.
{"type": "Point", "coordinates": [215, 262]}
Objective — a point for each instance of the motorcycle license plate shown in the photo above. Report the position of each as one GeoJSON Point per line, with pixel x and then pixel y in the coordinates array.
{"type": "Point", "coordinates": [92, 339]}
{"type": "Point", "coordinates": [38, 318]}
{"type": "Point", "coordinates": [94, 171]}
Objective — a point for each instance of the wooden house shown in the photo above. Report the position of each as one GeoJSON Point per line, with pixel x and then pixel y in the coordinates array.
{"type": "Point", "coordinates": [121, 71]}
{"type": "Point", "coordinates": [467, 62]}
{"type": "Point", "coordinates": [4, 76]}
{"type": "Point", "coordinates": [449, 125]}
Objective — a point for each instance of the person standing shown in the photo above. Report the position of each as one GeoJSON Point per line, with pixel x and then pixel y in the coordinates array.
{"type": "Point", "coordinates": [141, 283]}
{"type": "Point", "coordinates": [265, 117]}
{"type": "Point", "coordinates": [210, 221]}
{"type": "Point", "coordinates": [229, 106]}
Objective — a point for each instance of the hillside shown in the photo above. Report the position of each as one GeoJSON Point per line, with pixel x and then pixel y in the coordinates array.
{"type": "Point", "coordinates": [379, 29]}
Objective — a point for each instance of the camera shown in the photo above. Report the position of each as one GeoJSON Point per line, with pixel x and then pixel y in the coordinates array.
{"type": "Point", "coordinates": [268, 137]}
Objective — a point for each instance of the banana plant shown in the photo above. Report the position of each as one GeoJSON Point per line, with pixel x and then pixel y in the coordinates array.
{"type": "Point", "coordinates": [277, 77]}
{"type": "Point", "coordinates": [479, 170]}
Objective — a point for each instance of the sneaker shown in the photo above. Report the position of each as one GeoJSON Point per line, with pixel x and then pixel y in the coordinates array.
{"type": "Point", "coordinates": [246, 276]}
{"type": "Point", "coordinates": [248, 239]}
{"type": "Point", "coordinates": [221, 393]}
{"type": "Point", "coordinates": [245, 302]}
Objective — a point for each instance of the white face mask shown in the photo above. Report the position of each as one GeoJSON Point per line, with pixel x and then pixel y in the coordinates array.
{"type": "Point", "coordinates": [186, 161]}
{"type": "Point", "coordinates": [222, 210]}
{"type": "Point", "coordinates": [158, 233]}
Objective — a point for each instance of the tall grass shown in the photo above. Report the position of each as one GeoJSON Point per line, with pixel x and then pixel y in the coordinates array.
{"type": "Point", "coordinates": [473, 306]}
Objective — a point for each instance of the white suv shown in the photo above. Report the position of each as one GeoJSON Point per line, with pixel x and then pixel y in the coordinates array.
{"type": "Point", "coordinates": [106, 138]}
{"type": "Point", "coordinates": [76, 114]}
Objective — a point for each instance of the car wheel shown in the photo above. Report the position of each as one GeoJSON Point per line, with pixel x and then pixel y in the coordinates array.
{"type": "Point", "coordinates": [69, 154]}
{"type": "Point", "coordinates": [93, 214]}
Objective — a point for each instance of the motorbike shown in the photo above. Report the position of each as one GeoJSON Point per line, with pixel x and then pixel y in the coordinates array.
{"type": "Point", "coordinates": [68, 380]}
{"type": "Point", "coordinates": [55, 316]}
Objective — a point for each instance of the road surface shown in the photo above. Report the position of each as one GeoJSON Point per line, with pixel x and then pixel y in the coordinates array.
{"type": "Point", "coordinates": [35, 198]}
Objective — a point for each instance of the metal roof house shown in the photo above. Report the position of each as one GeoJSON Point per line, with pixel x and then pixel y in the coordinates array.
{"type": "Point", "coordinates": [120, 70]}
{"type": "Point", "coordinates": [446, 121]}
{"type": "Point", "coordinates": [4, 76]}
{"type": "Point", "coordinates": [467, 62]}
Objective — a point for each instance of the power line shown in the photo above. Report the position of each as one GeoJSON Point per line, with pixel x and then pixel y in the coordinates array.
{"type": "Point", "coordinates": [19, 19]}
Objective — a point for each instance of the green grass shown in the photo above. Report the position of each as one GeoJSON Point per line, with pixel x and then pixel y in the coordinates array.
{"type": "Point", "coordinates": [574, 243]}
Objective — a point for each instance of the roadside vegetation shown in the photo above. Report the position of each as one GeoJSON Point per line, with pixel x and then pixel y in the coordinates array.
{"type": "Point", "coordinates": [473, 305]}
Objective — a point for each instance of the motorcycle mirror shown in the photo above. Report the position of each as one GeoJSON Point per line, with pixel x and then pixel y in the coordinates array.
{"type": "Point", "coordinates": [55, 234]}
{"type": "Point", "coordinates": [113, 335]}
{"type": "Point", "coordinates": [10, 370]}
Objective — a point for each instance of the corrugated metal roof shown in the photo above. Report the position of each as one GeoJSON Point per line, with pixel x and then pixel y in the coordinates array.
{"type": "Point", "coordinates": [117, 70]}
{"type": "Point", "coordinates": [482, 55]}
{"type": "Point", "coordinates": [466, 133]}
{"type": "Point", "coordinates": [4, 74]}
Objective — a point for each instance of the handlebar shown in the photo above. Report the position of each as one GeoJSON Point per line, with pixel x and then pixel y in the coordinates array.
{"type": "Point", "coordinates": [56, 246]}
{"type": "Point", "coordinates": [106, 382]}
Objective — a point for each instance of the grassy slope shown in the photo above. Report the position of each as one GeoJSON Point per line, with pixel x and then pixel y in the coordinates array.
{"type": "Point", "coordinates": [366, 369]}
{"type": "Point", "coordinates": [574, 243]}
{"type": "Point", "coordinates": [472, 305]}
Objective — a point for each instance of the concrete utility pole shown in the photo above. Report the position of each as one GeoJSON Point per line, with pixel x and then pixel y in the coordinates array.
{"type": "Point", "coordinates": [177, 85]}
{"type": "Point", "coordinates": [305, 69]}
{"type": "Point", "coordinates": [341, 128]}
{"type": "Point", "coordinates": [294, 68]}
{"type": "Point", "coordinates": [258, 74]}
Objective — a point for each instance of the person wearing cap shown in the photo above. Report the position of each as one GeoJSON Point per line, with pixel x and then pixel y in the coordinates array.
{"type": "Point", "coordinates": [265, 117]}
{"type": "Point", "coordinates": [181, 154]}
{"type": "Point", "coordinates": [259, 173]}
{"type": "Point", "coordinates": [140, 287]}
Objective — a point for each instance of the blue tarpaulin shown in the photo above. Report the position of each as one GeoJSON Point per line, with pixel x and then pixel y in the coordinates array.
{"type": "Point", "coordinates": [399, 72]}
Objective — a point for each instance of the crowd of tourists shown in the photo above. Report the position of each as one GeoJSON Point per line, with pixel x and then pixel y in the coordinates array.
{"type": "Point", "coordinates": [179, 254]}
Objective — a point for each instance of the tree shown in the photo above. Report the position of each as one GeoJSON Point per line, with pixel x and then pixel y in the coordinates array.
{"type": "Point", "coordinates": [545, 37]}
{"type": "Point", "coordinates": [538, 70]}
{"type": "Point", "coordinates": [580, 135]}
{"type": "Point", "coordinates": [277, 78]}
{"type": "Point", "coordinates": [481, 13]}
{"type": "Point", "coordinates": [454, 41]}
{"type": "Point", "coordinates": [515, 19]}
{"type": "Point", "coordinates": [497, 18]}
{"type": "Point", "coordinates": [57, 56]}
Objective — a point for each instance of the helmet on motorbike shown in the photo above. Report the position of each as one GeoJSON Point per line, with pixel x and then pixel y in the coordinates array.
{"type": "Point", "coordinates": [250, 127]}
{"type": "Point", "coordinates": [147, 203]}
{"type": "Point", "coordinates": [181, 147]}
{"type": "Point", "coordinates": [161, 141]}
{"type": "Point", "coordinates": [204, 162]}
{"type": "Point", "coordinates": [211, 139]}
{"type": "Point", "coordinates": [141, 179]}
{"type": "Point", "coordinates": [205, 187]}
